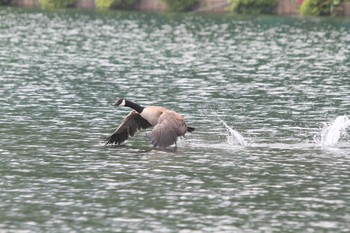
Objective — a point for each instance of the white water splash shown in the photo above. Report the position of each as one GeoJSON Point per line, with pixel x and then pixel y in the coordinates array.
{"type": "Point", "coordinates": [233, 136]}
{"type": "Point", "coordinates": [332, 132]}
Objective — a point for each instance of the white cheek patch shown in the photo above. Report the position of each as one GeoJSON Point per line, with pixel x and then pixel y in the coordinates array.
{"type": "Point", "coordinates": [123, 103]}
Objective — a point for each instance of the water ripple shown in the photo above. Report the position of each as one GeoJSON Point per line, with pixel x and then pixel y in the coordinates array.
{"type": "Point", "coordinates": [275, 80]}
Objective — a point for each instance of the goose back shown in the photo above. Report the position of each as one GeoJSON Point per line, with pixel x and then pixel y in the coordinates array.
{"type": "Point", "coordinates": [152, 114]}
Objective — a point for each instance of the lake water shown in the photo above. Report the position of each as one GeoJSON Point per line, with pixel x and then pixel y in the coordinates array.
{"type": "Point", "coordinates": [268, 97]}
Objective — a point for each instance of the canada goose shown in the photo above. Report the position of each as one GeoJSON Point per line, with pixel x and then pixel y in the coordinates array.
{"type": "Point", "coordinates": [169, 125]}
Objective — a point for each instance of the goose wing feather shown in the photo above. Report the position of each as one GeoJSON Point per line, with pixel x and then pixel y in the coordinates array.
{"type": "Point", "coordinates": [129, 126]}
{"type": "Point", "coordinates": [170, 126]}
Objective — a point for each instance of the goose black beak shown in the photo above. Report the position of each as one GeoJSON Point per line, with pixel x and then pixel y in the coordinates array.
{"type": "Point", "coordinates": [118, 102]}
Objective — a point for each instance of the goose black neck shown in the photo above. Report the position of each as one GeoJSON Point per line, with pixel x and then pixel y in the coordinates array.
{"type": "Point", "coordinates": [134, 106]}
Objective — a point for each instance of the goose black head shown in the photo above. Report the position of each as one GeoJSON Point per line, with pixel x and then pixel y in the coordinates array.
{"type": "Point", "coordinates": [119, 102]}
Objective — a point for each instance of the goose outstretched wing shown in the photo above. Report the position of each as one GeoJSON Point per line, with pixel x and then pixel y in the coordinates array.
{"type": "Point", "coordinates": [170, 126]}
{"type": "Point", "coordinates": [129, 126]}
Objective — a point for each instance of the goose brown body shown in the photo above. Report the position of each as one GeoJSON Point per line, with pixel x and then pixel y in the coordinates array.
{"type": "Point", "coordinates": [168, 125]}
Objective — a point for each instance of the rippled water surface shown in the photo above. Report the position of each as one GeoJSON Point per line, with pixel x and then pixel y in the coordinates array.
{"type": "Point", "coordinates": [272, 81]}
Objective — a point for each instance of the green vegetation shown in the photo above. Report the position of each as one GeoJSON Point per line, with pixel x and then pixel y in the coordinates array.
{"type": "Point", "coordinates": [56, 4]}
{"type": "Point", "coordinates": [319, 7]}
{"type": "Point", "coordinates": [5, 2]}
{"type": "Point", "coordinates": [115, 4]}
{"type": "Point", "coordinates": [305, 7]}
{"type": "Point", "coordinates": [181, 5]}
{"type": "Point", "coordinates": [252, 6]}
